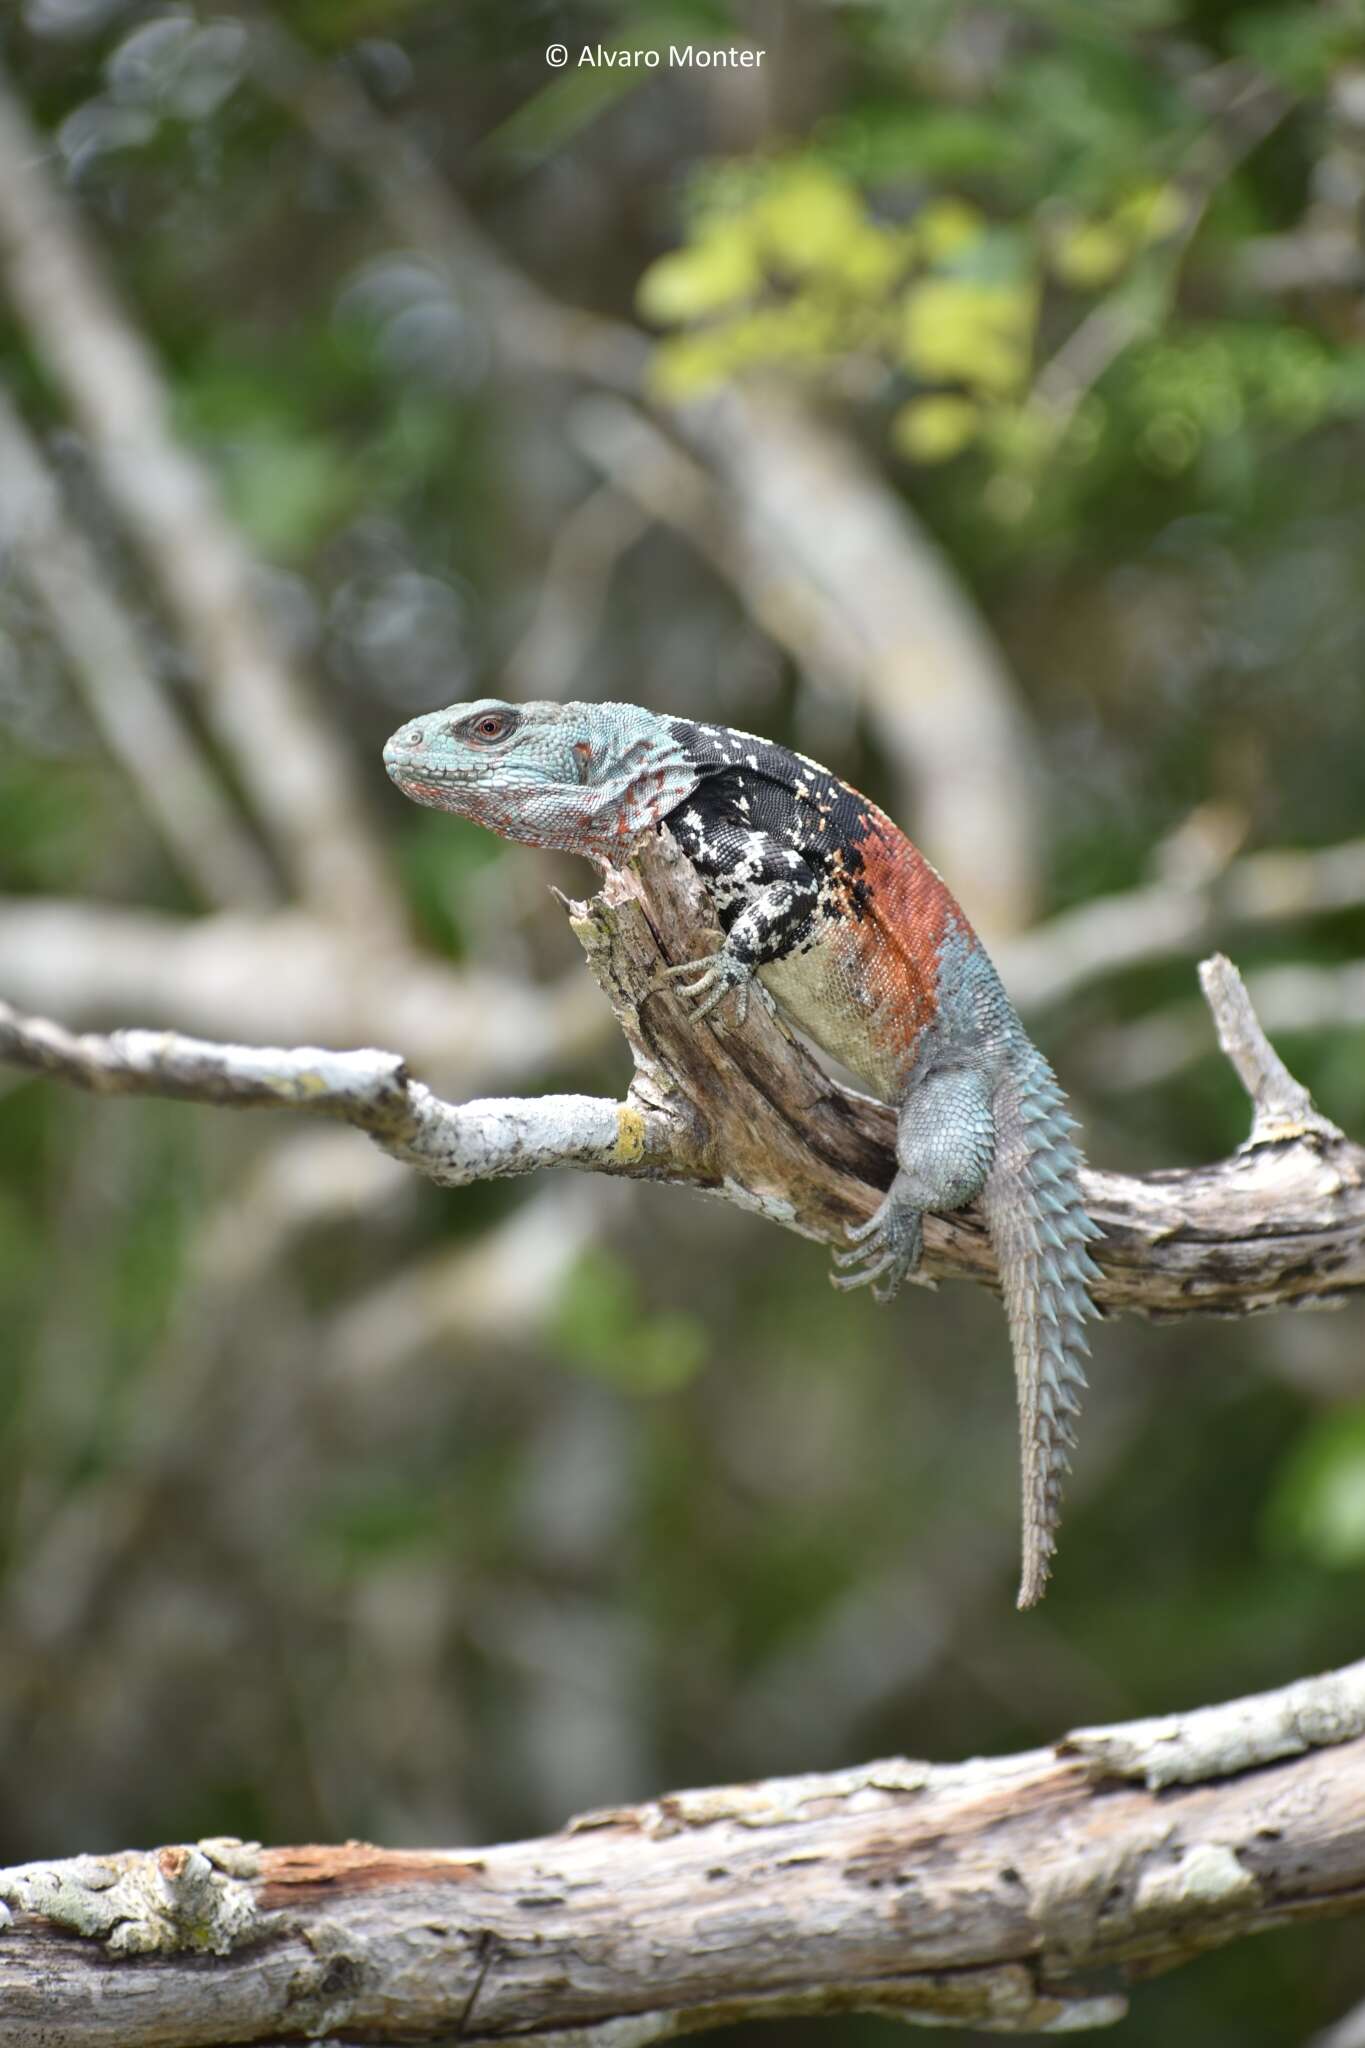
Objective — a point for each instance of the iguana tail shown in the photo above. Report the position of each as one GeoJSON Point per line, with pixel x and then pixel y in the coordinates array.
{"type": "Point", "coordinates": [1038, 1225]}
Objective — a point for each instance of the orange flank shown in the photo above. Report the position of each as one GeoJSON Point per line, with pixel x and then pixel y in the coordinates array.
{"type": "Point", "coordinates": [878, 988]}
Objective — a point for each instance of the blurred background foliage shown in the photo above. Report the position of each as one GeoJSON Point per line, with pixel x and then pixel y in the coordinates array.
{"type": "Point", "coordinates": [336, 1505]}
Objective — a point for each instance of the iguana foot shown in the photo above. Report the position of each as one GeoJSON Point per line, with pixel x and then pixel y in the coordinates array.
{"type": "Point", "coordinates": [884, 1252]}
{"type": "Point", "coordinates": [717, 974]}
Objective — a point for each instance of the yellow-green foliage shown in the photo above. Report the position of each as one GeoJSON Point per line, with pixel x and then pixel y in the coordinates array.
{"type": "Point", "coordinates": [936, 428]}
{"type": "Point", "coordinates": [956, 330]}
{"type": "Point", "coordinates": [987, 322]}
{"type": "Point", "coordinates": [785, 265]}
{"type": "Point", "coordinates": [782, 265]}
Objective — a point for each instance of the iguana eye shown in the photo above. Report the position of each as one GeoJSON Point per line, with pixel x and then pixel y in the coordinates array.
{"type": "Point", "coordinates": [488, 727]}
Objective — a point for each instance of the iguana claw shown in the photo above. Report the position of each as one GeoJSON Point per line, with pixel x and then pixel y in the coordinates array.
{"type": "Point", "coordinates": [889, 1243]}
{"type": "Point", "coordinates": [717, 975]}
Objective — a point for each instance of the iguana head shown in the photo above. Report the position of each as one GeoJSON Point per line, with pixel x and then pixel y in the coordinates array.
{"type": "Point", "coordinates": [585, 778]}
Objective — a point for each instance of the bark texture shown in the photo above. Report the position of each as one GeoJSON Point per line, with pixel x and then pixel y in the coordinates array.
{"type": "Point", "coordinates": [1018, 1894]}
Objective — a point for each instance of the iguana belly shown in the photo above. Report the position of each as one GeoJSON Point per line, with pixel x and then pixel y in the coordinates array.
{"type": "Point", "coordinates": [856, 1002]}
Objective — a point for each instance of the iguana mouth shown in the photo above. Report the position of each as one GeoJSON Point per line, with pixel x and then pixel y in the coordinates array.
{"type": "Point", "coordinates": [419, 777]}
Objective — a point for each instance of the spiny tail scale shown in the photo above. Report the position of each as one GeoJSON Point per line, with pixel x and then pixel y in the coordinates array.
{"type": "Point", "coordinates": [1038, 1225]}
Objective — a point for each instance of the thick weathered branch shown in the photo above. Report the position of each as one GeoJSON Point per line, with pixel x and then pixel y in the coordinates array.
{"type": "Point", "coordinates": [1020, 1894]}
{"type": "Point", "coordinates": [750, 1116]}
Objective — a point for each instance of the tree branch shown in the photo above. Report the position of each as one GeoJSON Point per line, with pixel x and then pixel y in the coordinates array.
{"type": "Point", "coordinates": [1016, 1893]}
{"type": "Point", "coordinates": [285, 976]}
{"type": "Point", "coordinates": [1284, 1108]}
{"type": "Point", "coordinates": [750, 1116]}
{"type": "Point", "coordinates": [451, 1143]}
{"type": "Point", "coordinates": [289, 976]}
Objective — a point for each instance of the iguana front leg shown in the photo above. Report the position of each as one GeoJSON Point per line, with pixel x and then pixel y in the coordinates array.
{"type": "Point", "coordinates": [769, 899]}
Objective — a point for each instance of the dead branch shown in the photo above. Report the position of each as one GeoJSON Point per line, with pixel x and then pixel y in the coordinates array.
{"type": "Point", "coordinates": [1284, 1108]}
{"type": "Point", "coordinates": [1021, 1894]}
{"type": "Point", "coordinates": [749, 1116]}
{"type": "Point", "coordinates": [266, 979]}
{"type": "Point", "coordinates": [276, 978]}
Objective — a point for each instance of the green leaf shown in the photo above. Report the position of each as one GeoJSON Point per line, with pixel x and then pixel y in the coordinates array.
{"type": "Point", "coordinates": [936, 142]}
{"type": "Point", "coordinates": [945, 227]}
{"type": "Point", "coordinates": [1088, 254]}
{"type": "Point", "coordinates": [807, 218]}
{"type": "Point", "coordinates": [1301, 46]}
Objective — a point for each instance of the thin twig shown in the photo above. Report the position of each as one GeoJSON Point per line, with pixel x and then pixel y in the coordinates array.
{"type": "Point", "coordinates": [1164, 920]}
{"type": "Point", "coordinates": [1284, 1108]}
{"type": "Point", "coordinates": [585, 551]}
{"type": "Point", "coordinates": [1255, 109]}
{"type": "Point", "coordinates": [1149, 1051]}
